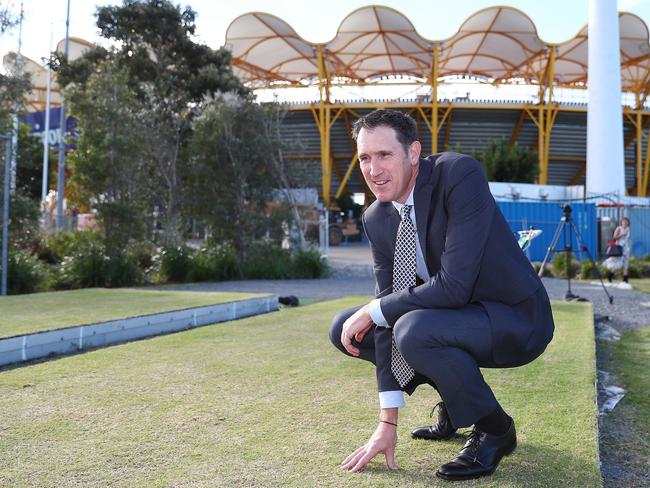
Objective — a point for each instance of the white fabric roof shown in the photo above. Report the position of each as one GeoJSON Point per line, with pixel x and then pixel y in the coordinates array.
{"type": "Point", "coordinates": [498, 43]}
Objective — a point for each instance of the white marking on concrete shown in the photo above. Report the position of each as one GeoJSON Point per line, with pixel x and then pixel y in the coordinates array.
{"type": "Point", "coordinates": [62, 341]}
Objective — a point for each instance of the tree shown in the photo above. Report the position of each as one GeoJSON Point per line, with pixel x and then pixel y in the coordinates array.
{"type": "Point", "coordinates": [107, 165]}
{"type": "Point", "coordinates": [169, 73]}
{"type": "Point", "coordinates": [507, 162]}
{"type": "Point", "coordinates": [229, 169]}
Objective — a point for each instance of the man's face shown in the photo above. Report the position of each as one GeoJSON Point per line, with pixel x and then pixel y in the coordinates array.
{"type": "Point", "coordinates": [389, 169]}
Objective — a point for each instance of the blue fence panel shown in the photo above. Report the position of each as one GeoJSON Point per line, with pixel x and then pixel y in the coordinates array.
{"type": "Point", "coordinates": [546, 216]}
{"type": "Point", "coordinates": [639, 230]}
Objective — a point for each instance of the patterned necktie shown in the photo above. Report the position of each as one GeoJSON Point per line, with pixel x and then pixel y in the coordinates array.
{"type": "Point", "coordinates": [404, 268]}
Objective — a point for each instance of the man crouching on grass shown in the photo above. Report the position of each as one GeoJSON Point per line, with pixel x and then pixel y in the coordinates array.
{"type": "Point", "coordinates": [454, 294]}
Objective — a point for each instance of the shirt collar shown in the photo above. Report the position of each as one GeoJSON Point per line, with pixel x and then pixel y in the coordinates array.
{"type": "Point", "coordinates": [409, 201]}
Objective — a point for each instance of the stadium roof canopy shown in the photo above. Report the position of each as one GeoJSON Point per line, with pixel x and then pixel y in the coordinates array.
{"type": "Point", "coordinates": [498, 44]}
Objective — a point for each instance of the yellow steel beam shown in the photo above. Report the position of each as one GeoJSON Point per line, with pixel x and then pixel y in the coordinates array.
{"type": "Point", "coordinates": [646, 171]}
{"type": "Point", "coordinates": [447, 130]}
{"type": "Point", "coordinates": [434, 98]}
{"type": "Point", "coordinates": [632, 135]}
{"type": "Point", "coordinates": [639, 154]}
{"type": "Point", "coordinates": [540, 144]}
{"type": "Point", "coordinates": [426, 119]}
{"type": "Point", "coordinates": [343, 184]}
{"type": "Point", "coordinates": [336, 116]}
{"type": "Point", "coordinates": [324, 113]}
{"type": "Point", "coordinates": [517, 129]}
{"type": "Point", "coordinates": [548, 118]}
{"type": "Point", "coordinates": [327, 158]}
{"type": "Point", "coordinates": [579, 174]}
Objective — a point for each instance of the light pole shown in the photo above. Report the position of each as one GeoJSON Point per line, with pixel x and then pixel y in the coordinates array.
{"type": "Point", "coordinates": [60, 182]}
{"type": "Point", "coordinates": [5, 211]}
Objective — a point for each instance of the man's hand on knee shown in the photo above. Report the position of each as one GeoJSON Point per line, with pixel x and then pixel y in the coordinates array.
{"type": "Point", "coordinates": [384, 439]}
{"type": "Point", "coordinates": [356, 326]}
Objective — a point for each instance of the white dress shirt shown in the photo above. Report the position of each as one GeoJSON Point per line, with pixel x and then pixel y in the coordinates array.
{"type": "Point", "coordinates": [395, 398]}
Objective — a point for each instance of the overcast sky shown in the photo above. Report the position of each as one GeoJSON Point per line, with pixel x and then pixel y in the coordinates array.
{"type": "Point", "coordinates": [317, 21]}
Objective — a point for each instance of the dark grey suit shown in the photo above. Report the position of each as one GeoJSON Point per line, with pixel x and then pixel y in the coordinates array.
{"type": "Point", "coordinates": [484, 305]}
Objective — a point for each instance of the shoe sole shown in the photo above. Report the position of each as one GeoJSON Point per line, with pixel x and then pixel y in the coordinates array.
{"type": "Point", "coordinates": [433, 438]}
{"type": "Point", "coordinates": [473, 477]}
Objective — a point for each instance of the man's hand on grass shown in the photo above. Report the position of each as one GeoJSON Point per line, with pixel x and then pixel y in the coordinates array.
{"type": "Point", "coordinates": [384, 439]}
{"type": "Point", "coordinates": [356, 326]}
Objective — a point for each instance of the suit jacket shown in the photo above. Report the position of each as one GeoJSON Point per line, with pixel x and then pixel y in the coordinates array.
{"type": "Point", "coordinates": [471, 255]}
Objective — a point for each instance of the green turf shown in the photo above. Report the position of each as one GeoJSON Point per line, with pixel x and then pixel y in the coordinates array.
{"type": "Point", "coordinates": [632, 354]}
{"type": "Point", "coordinates": [641, 284]}
{"type": "Point", "coordinates": [268, 401]}
{"type": "Point", "coordinates": [23, 314]}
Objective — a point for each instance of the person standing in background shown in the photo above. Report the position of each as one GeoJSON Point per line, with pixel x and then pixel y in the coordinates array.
{"type": "Point", "coordinates": [622, 237]}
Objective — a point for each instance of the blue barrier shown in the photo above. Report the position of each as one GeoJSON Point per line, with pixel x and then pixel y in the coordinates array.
{"type": "Point", "coordinates": [546, 216]}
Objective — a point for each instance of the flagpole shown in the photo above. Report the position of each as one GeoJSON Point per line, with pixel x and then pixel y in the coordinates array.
{"type": "Point", "coordinates": [60, 184]}
{"type": "Point", "coordinates": [46, 132]}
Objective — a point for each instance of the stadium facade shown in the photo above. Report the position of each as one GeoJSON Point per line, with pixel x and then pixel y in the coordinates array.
{"type": "Point", "coordinates": [493, 78]}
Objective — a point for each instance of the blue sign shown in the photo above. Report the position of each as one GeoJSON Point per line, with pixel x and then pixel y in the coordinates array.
{"type": "Point", "coordinates": [36, 120]}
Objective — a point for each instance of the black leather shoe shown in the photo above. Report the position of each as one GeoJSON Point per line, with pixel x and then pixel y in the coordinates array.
{"type": "Point", "coordinates": [480, 456]}
{"type": "Point", "coordinates": [441, 430]}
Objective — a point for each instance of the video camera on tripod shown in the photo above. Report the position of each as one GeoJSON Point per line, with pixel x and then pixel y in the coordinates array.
{"type": "Point", "coordinates": [568, 230]}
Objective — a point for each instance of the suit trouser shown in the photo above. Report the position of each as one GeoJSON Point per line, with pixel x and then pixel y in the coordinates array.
{"type": "Point", "coordinates": [446, 348]}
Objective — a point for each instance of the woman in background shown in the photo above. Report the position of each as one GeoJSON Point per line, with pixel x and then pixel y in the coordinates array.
{"type": "Point", "coordinates": [623, 239]}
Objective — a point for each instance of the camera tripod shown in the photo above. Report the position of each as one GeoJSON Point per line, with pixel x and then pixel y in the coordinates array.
{"type": "Point", "coordinates": [568, 229]}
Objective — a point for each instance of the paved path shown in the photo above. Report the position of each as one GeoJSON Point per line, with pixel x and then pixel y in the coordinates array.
{"type": "Point", "coordinates": [351, 274]}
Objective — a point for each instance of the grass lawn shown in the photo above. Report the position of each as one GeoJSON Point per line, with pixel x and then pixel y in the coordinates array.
{"type": "Point", "coordinates": [268, 401]}
{"type": "Point", "coordinates": [22, 314]}
{"type": "Point", "coordinates": [632, 354]}
{"type": "Point", "coordinates": [641, 284]}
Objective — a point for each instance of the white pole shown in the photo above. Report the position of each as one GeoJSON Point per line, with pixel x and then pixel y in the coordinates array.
{"type": "Point", "coordinates": [46, 132]}
{"type": "Point", "coordinates": [16, 125]}
{"type": "Point", "coordinates": [605, 158]}
{"type": "Point", "coordinates": [60, 181]}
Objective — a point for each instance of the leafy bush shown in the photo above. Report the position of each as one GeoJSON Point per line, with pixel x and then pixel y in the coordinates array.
{"type": "Point", "coordinates": [308, 264]}
{"type": "Point", "coordinates": [143, 253]}
{"type": "Point", "coordinates": [633, 270]}
{"type": "Point", "coordinates": [214, 264]}
{"type": "Point", "coordinates": [588, 271]}
{"type": "Point", "coordinates": [176, 263]}
{"type": "Point", "coordinates": [503, 161]}
{"type": "Point", "coordinates": [122, 270]}
{"type": "Point", "coordinates": [547, 269]}
{"type": "Point", "coordinates": [85, 268]}
{"type": "Point", "coordinates": [559, 266]}
{"type": "Point", "coordinates": [267, 261]}
{"type": "Point", "coordinates": [641, 267]}
{"type": "Point", "coordinates": [25, 273]}
{"type": "Point", "coordinates": [64, 244]}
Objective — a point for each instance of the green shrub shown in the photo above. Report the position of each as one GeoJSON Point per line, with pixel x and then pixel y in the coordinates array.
{"type": "Point", "coordinates": [547, 269]}
{"type": "Point", "coordinates": [214, 264]}
{"type": "Point", "coordinates": [641, 267]}
{"type": "Point", "coordinates": [122, 270]}
{"type": "Point", "coordinates": [143, 253]}
{"type": "Point", "coordinates": [25, 274]}
{"type": "Point", "coordinates": [559, 266]}
{"type": "Point", "coordinates": [85, 268]}
{"type": "Point", "coordinates": [175, 263]}
{"type": "Point", "coordinates": [308, 264]}
{"type": "Point", "coordinates": [64, 244]}
{"type": "Point", "coordinates": [633, 269]}
{"type": "Point", "coordinates": [267, 261]}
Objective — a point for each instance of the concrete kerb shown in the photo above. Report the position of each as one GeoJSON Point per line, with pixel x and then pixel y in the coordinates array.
{"type": "Point", "coordinates": [73, 339]}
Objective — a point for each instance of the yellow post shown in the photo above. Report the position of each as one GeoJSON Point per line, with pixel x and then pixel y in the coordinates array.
{"type": "Point", "coordinates": [639, 149]}
{"type": "Point", "coordinates": [434, 98]}
{"type": "Point", "coordinates": [540, 142]}
{"type": "Point", "coordinates": [548, 119]}
{"type": "Point", "coordinates": [324, 128]}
